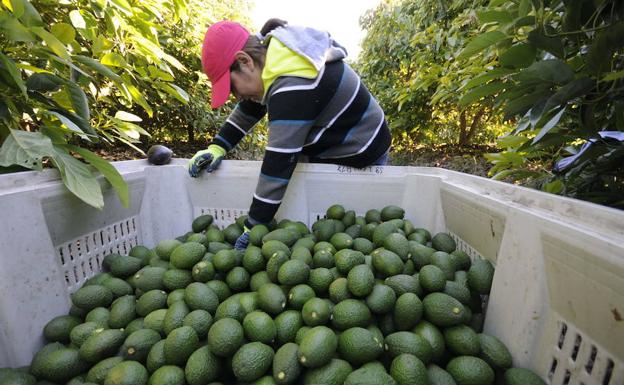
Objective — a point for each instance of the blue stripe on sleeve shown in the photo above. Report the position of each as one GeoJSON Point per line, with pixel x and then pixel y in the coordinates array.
{"type": "Point", "coordinates": [275, 179]}
{"type": "Point", "coordinates": [224, 141]}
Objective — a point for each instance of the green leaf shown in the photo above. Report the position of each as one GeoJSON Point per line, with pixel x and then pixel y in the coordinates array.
{"type": "Point", "coordinates": [479, 92]}
{"type": "Point", "coordinates": [604, 45]}
{"type": "Point", "coordinates": [16, 31]}
{"type": "Point", "coordinates": [127, 117]}
{"type": "Point", "coordinates": [522, 104]}
{"type": "Point", "coordinates": [481, 42]}
{"type": "Point", "coordinates": [551, 44]}
{"type": "Point", "coordinates": [549, 125]}
{"type": "Point", "coordinates": [44, 82]}
{"type": "Point", "coordinates": [554, 187]}
{"type": "Point", "coordinates": [613, 76]}
{"type": "Point", "coordinates": [494, 16]}
{"type": "Point", "coordinates": [524, 8]}
{"type": "Point", "coordinates": [30, 16]}
{"type": "Point", "coordinates": [130, 130]}
{"type": "Point", "coordinates": [496, 3]}
{"type": "Point", "coordinates": [138, 97]}
{"type": "Point", "coordinates": [77, 20]}
{"type": "Point", "coordinates": [109, 171]}
{"type": "Point", "coordinates": [518, 56]}
{"type": "Point", "coordinates": [84, 125]}
{"type": "Point", "coordinates": [572, 90]}
{"type": "Point", "coordinates": [114, 59]}
{"type": "Point", "coordinates": [26, 149]}
{"type": "Point", "coordinates": [5, 114]}
{"type": "Point", "coordinates": [524, 21]}
{"type": "Point", "coordinates": [98, 67]}
{"type": "Point", "coordinates": [8, 66]}
{"type": "Point", "coordinates": [180, 9]}
{"type": "Point", "coordinates": [16, 6]}
{"type": "Point", "coordinates": [511, 141]}
{"type": "Point", "coordinates": [503, 174]}
{"type": "Point", "coordinates": [68, 123]}
{"type": "Point", "coordinates": [64, 32]}
{"type": "Point", "coordinates": [175, 91]}
{"type": "Point", "coordinates": [496, 73]}
{"type": "Point", "coordinates": [78, 178]}
{"type": "Point", "coordinates": [552, 70]}
{"type": "Point", "coordinates": [123, 5]}
{"type": "Point", "coordinates": [52, 42]}
{"type": "Point", "coordinates": [174, 62]}
{"type": "Point", "coordinates": [79, 100]}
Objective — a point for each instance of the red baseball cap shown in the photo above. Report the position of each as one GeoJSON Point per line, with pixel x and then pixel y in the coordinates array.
{"type": "Point", "coordinates": [221, 42]}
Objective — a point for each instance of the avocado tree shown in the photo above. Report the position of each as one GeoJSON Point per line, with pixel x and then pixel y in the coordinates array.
{"type": "Point", "coordinates": [81, 72]}
{"type": "Point", "coordinates": [409, 61]}
{"type": "Point", "coordinates": [559, 76]}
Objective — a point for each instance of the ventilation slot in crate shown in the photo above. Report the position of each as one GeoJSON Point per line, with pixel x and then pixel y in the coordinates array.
{"type": "Point", "coordinates": [464, 246]}
{"type": "Point", "coordinates": [578, 360]}
{"type": "Point", "coordinates": [222, 217]}
{"type": "Point", "coordinates": [81, 258]}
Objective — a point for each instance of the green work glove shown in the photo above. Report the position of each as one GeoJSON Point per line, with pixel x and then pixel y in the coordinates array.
{"type": "Point", "coordinates": [210, 159]}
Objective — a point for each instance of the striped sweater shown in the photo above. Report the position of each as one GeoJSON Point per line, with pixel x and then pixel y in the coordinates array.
{"type": "Point", "coordinates": [332, 118]}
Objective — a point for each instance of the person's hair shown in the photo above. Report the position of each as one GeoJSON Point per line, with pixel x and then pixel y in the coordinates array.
{"type": "Point", "coordinates": [255, 47]}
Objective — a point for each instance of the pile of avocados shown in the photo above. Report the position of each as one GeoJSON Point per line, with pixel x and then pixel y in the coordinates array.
{"type": "Point", "coordinates": [357, 300]}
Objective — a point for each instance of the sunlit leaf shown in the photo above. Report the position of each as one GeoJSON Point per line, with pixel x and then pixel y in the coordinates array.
{"type": "Point", "coordinates": [78, 178]}
{"type": "Point", "coordinates": [52, 42]}
{"type": "Point", "coordinates": [97, 66]}
{"type": "Point", "coordinates": [127, 117]}
{"type": "Point", "coordinates": [496, 73]}
{"type": "Point", "coordinates": [109, 171]}
{"type": "Point", "coordinates": [175, 91]}
{"type": "Point", "coordinates": [479, 92]}
{"type": "Point", "coordinates": [113, 59]}
{"type": "Point", "coordinates": [26, 149]}
{"type": "Point", "coordinates": [77, 20]}
{"type": "Point", "coordinates": [64, 32]}
{"type": "Point", "coordinates": [482, 42]}
{"type": "Point", "coordinates": [67, 123]}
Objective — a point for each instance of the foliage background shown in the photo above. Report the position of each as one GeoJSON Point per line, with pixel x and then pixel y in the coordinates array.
{"type": "Point", "coordinates": [526, 91]}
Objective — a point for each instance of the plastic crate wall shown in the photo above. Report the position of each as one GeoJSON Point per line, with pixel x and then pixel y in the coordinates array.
{"type": "Point", "coordinates": [559, 261]}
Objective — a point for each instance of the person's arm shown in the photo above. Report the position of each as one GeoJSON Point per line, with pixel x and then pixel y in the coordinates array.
{"type": "Point", "coordinates": [239, 123]}
{"type": "Point", "coordinates": [245, 115]}
{"type": "Point", "coordinates": [289, 124]}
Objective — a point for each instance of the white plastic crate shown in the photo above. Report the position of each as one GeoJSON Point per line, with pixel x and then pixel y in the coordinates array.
{"type": "Point", "coordinates": [558, 293]}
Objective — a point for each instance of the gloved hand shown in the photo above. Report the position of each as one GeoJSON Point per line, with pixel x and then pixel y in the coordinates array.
{"type": "Point", "coordinates": [242, 241]}
{"type": "Point", "coordinates": [210, 159]}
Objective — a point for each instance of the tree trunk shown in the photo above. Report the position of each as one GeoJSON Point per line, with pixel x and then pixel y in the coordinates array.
{"type": "Point", "coordinates": [475, 123]}
{"type": "Point", "coordinates": [191, 134]}
{"type": "Point", "coordinates": [462, 128]}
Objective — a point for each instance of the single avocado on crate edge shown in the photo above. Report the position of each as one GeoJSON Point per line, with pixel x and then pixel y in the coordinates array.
{"type": "Point", "coordinates": [159, 155]}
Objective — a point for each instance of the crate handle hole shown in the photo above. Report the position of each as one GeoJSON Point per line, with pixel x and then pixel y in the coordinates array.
{"type": "Point", "coordinates": [577, 345]}
{"type": "Point", "coordinates": [608, 372]}
{"type": "Point", "coordinates": [566, 379]}
{"type": "Point", "coordinates": [592, 359]}
{"type": "Point", "coordinates": [553, 368]}
{"type": "Point", "coordinates": [562, 335]}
